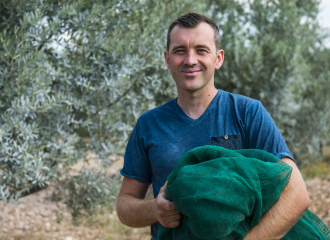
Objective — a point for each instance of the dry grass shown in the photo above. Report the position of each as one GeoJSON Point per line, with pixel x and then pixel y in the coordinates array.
{"type": "Point", "coordinates": [35, 217]}
{"type": "Point", "coordinates": [319, 169]}
{"type": "Point", "coordinates": [104, 226]}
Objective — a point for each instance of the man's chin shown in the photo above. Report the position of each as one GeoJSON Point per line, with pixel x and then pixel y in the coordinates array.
{"type": "Point", "coordinates": [192, 88]}
{"type": "Point", "coordinates": [192, 85]}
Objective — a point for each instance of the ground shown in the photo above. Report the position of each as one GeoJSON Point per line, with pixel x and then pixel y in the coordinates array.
{"type": "Point", "coordinates": [36, 217]}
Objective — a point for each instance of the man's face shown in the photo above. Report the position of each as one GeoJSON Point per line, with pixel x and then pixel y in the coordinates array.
{"type": "Point", "coordinates": [192, 57]}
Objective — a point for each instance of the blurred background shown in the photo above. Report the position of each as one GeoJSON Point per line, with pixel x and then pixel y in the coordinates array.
{"type": "Point", "coordinates": [76, 75]}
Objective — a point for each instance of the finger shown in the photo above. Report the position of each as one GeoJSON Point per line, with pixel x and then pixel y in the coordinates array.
{"type": "Point", "coordinates": [161, 195]}
{"type": "Point", "coordinates": [174, 224]}
{"type": "Point", "coordinates": [169, 214]}
{"type": "Point", "coordinates": [170, 205]}
{"type": "Point", "coordinates": [174, 217]}
{"type": "Point", "coordinates": [166, 204]}
{"type": "Point", "coordinates": [171, 222]}
{"type": "Point", "coordinates": [163, 188]}
{"type": "Point", "coordinates": [173, 212]}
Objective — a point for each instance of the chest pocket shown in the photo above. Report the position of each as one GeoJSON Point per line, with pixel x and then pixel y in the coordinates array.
{"type": "Point", "coordinates": [231, 142]}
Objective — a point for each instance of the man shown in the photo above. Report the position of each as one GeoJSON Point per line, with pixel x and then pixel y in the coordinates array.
{"type": "Point", "coordinates": [200, 115]}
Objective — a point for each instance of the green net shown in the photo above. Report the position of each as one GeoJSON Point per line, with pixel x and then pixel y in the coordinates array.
{"type": "Point", "coordinates": [223, 193]}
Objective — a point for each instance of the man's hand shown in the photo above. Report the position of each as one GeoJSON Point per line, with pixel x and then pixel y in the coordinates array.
{"type": "Point", "coordinates": [164, 210]}
{"type": "Point", "coordinates": [135, 211]}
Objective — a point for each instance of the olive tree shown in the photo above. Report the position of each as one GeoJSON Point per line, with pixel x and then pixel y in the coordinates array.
{"type": "Point", "coordinates": [275, 53]}
{"type": "Point", "coordinates": [74, 78]}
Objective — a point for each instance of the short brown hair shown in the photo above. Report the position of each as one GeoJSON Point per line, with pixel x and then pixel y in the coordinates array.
{"type": "Point", "coordinates": [191, 20]}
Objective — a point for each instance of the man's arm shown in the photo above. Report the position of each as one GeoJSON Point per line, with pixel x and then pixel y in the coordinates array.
{"type": "Point", "coordinates": [135, 211]}
{"type": "Point", "coordinates": [294, 201]}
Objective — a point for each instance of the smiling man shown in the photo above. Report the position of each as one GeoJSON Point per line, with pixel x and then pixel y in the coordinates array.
{"type": "Point", "coordinates": [200, 115]}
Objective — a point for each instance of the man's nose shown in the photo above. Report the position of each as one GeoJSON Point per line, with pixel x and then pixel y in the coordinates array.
{"type": "Point", "coordinates": [191, 58]}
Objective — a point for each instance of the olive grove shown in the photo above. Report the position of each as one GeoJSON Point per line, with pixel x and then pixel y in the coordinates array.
{"type": "Point", "coordinates": [76, 75]}
{"type": "Point", "coordinates": [275, 52]}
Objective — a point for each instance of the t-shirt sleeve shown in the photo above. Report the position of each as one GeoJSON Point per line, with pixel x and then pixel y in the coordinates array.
{"type": "Point", "coordinates": [136, 164]}
{"type": "Point", "coordinates": [262, 132]}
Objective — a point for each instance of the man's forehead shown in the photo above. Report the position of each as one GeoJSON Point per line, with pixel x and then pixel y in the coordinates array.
{"type": "Point", "coordinates": [203, 33]}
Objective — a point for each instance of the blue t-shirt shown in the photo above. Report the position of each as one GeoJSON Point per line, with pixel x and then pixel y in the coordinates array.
{"type": "Point", "coordinates": [164, 133]}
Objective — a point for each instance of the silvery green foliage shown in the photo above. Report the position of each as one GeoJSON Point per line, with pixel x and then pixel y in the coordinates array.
{"type": "Point", "coordinates": [274, 52]}
{"type": "Point", "coordinates": [74, 78]}
{"type": "Point", "coordinates": [76, 75]}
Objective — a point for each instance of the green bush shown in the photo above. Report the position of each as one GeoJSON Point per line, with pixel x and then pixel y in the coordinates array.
{"type": "Point", "coordinates": [74, 78]}
{"type": "Point", "coordinates": [275, 52]}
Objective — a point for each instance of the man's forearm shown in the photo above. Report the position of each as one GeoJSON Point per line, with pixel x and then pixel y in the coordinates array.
{"type": "Point", "coordinates": [275, 223]}
{"type": "Point", "coordinates": [293, 202]}
{"type": "Point", "coordinates": [135, 212]}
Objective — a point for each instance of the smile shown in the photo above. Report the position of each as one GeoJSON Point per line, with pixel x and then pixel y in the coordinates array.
{"type": "Point", "coordinates": [191, 72]}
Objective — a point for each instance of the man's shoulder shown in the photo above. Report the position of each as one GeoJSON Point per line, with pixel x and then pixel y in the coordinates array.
{"type": "Point", "coordinates": [239, 100]}
{"type": "Point", "coordinates": [158, 112]}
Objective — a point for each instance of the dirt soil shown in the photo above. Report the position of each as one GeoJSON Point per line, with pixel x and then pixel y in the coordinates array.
{"type": "Point", "coordinates": [319, 194]}
{"type": "Point", "coordinates": [36, 217]}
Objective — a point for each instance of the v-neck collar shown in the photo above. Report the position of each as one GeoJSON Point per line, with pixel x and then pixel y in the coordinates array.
{"type": "Point", "coordinates": [185, 116]}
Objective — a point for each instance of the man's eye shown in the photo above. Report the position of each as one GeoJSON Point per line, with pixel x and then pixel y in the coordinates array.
{"type": "Point", "coordinates": [179, 51]}
{"type": "Point", "coordinates": [202, 50]}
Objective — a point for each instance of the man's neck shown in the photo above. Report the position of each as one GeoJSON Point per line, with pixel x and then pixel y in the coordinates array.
{"type": "Point", "coordinates": [194, 104]}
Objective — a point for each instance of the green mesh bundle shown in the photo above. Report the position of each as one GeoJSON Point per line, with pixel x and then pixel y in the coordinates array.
{"type": "Point", "coordinates": [223, 193]}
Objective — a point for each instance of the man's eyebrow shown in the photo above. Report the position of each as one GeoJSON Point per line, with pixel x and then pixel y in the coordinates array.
{"type": "Point", "coordinates": [183, 46]}
{"type": "Point", "coordinates": [177, 47]}
{"type": "Point", "coordinates": [202, 46]}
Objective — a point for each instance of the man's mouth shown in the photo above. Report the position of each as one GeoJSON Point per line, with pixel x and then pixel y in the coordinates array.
{"type": "Point", "coordinates": [192, 72]}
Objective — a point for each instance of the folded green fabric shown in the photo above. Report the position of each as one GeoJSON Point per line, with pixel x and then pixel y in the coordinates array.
{"type": "Point", "coordinates": [223, 193]}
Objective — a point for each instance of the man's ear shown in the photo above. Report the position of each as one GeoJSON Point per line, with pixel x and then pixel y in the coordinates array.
{"type": "Point", "coordinates": [167, 59]}
{"type": "Point", "coordinates": [220, 58]}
